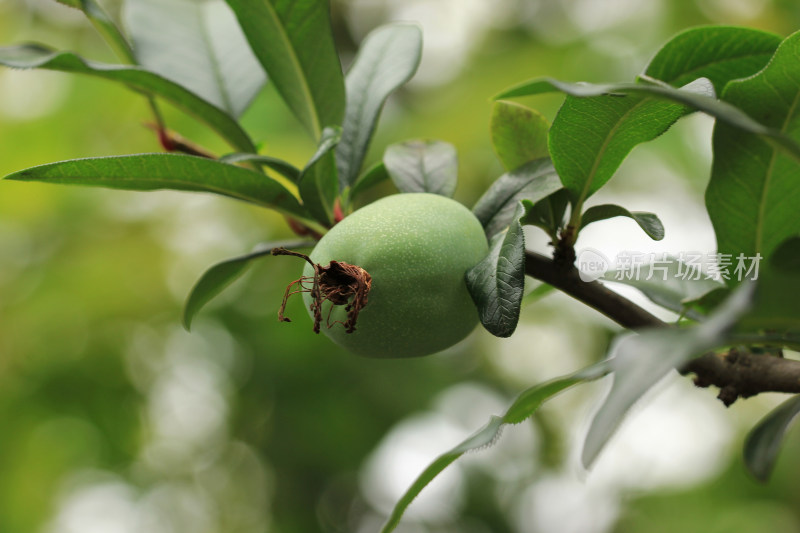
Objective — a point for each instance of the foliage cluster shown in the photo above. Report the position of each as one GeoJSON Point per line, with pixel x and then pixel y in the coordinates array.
{"type": "Point", "coordinates": [747, 80]}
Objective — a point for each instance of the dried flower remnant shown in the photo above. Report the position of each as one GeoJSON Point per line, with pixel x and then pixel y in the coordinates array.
{"type": "Point", "coordinates": [339, 283]}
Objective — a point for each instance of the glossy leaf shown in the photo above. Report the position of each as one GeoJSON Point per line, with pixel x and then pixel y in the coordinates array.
{"type": "Point", "coordinates": [35, 56]}
{"type": "Point", "coordinates": [148, 172]}
{"type": "Point", "coordinates": [697, 99]}
{"type": "Point", "coordinates": [533, 181]}
{"type": "Point", "coordinates": [530, 400]}
{"type": "Point", "coordinates": [387, 59]}
{"type": "Point", "coordinates": [198, 45]}
{"type": "Point", "coordinates": [497, 283]}
{"type": "Point", "coordinates": [525, 405]}
{"type": "Point", "coordinates": [221, 275]}
{"type": "Point", "coordinates": [776, 308]}
{"type": "Point", "coordinates": [597, 126]}
{"type": "Point", "coordinates": [537, 294]}
{"type": "Point", "coordinates": [705, 304]}
{"type": "Point", "coordinates": [519, 134]}
{"type": "Point", "coordinates": [639, 361]}
{"type": "Point", "coordinates": [482, 438]}
{"type": "Point", "coordinates": [649, 222]}
{"type": "Point", "coordinates": [590, 137]}
{"type": "Point", "coordinates": [764, 441]}
{"type": "Point", "coordinates": [753, 193]}
{"type": "Point", "coordinates": [284, 168]}
{"type": "Point", "coordinates": [105, 26]}
{"type": "Point", "coordinates": [786, 256]}
{"type": "Point", "coordinates": [317, 183]}
{"type": "Point", "coordinates": [719, 53]}
{"type": "Point", "coordinates": [423, 166]}
{"type": "Point", "coordinates": [374, 175]}
{"type": "Point", "coordinates": [293, 41]}
{"type": "Point", "coordinates": [547, 213]}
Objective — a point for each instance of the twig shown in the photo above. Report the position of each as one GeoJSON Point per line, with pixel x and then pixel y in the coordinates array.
{"type": "Point", "coordinates": [592, 293]}
{"type": "Point", "coordinates": [743, 373]}
{"type": "Point", "coordinates": [738, 372]}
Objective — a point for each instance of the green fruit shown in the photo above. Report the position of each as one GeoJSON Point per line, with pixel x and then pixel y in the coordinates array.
{"type": "Point", "coordinates": [416, 247]}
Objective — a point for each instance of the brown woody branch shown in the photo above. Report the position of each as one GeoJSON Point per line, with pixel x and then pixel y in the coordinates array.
{"type": "Point", "coordinates": [592, 293]}
{"type": "Point", "coordinates": [738, 372]}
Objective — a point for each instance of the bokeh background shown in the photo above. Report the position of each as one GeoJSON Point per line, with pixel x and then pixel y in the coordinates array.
{"type": "Point", "coordinates": [113, 419]}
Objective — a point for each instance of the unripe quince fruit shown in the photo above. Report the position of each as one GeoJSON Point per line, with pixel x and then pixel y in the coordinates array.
{"type": "Point", "coordinates": [416, 248]}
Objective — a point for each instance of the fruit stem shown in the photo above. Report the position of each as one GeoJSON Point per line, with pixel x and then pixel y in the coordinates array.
{"type": "Point", "coordinates": [284, 251]}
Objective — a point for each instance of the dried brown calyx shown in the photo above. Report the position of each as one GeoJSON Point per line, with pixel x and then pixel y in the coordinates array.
{"type": "Point", "coordinates": [340, 283]}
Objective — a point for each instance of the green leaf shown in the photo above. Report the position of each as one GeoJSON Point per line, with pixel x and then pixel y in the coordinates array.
{"type": "Point", "coordinates": [537, 294]}
{"type": "Point", "coordinates": [35, 56]}
{"type": "Point", "coordinates": [532, 181]}
{"type": "Point", "coordinates": [105, 26]}
{"type": "Point", "coordinates": [786, 256]}
{"type": "Point", "coordinates": [374, 175]}
{"type": "Point", "coordinates": [639, 361]}
{"type": "Point", "coordinates": [387, 59]}
{"type": "Point", "coordinates": [293, 41]}
{"type": "Point", "coordinates": [692, 99]}
{"type": "Point", "coordinates": [317, 184]}
{"type": "Point", "coordinates": [764, 441]}
{"type": "Point", "coordinates": [705, 304]}
{"type": "Point", "coordinates": [547, 213]}
{"type": "Point", "coordinates": [606, 128]}
{"type": "Point", "coordinates": [218, 277]}
{"type": "Point", "coordinates": [649, 222]}
{"type": "Point", "coordinates": [423, 166]}
{"type": "Point", "coordinates": [482, 438]}
{"type": "Point", "coordinates": [776, 308]}
{"type": "Point", "coordinates": [198, 45]}
{"type": "Point", "coordinates": [590, 137]}
{"type": "Point", "coordinates": [519, 134]}
{"type": "Point", "coordinates": [530, 400]}
{"type": "Point", "coordinates": [672, 284]}
{"type": "Point", "coordinates": [754, 190]}
{"type": "Point", "coordinates": [719, 53]}
{"type": "Point", "coordinates": [497, 283]}
{"type": "Point", "coordinates": [148, 172]}
{"type": "Point", "coordinates": [523, 407]}
{"type": "Point", "coordinates": [284, 168]}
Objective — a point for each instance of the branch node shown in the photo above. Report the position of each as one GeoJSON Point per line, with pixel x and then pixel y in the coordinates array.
{"type": "Point", "coordinates": [728, 394]}
{"type": "Point", "coordinates": [564, 252]}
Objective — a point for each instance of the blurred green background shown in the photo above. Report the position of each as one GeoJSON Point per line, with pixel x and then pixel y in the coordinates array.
{"type": "Point", "coordinates": [113, 419]}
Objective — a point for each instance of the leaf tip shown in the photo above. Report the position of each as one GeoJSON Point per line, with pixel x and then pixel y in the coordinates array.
{"type": "Point", "coordinates": [758, 473]}
{"type": "Point", "coordinates": [15, 176]}
{"type": "Point", "coordinates": [589, 454]}
{"type": "Point", "coordinates": [188, 316]}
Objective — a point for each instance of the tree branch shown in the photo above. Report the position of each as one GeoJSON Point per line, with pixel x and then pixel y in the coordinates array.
{"type": "Point", "coordinates": [737, 372]}
{"type": "Point", "coordinates": [592, 293]}
{"type": "Point", "coordinates": [742, 373]}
